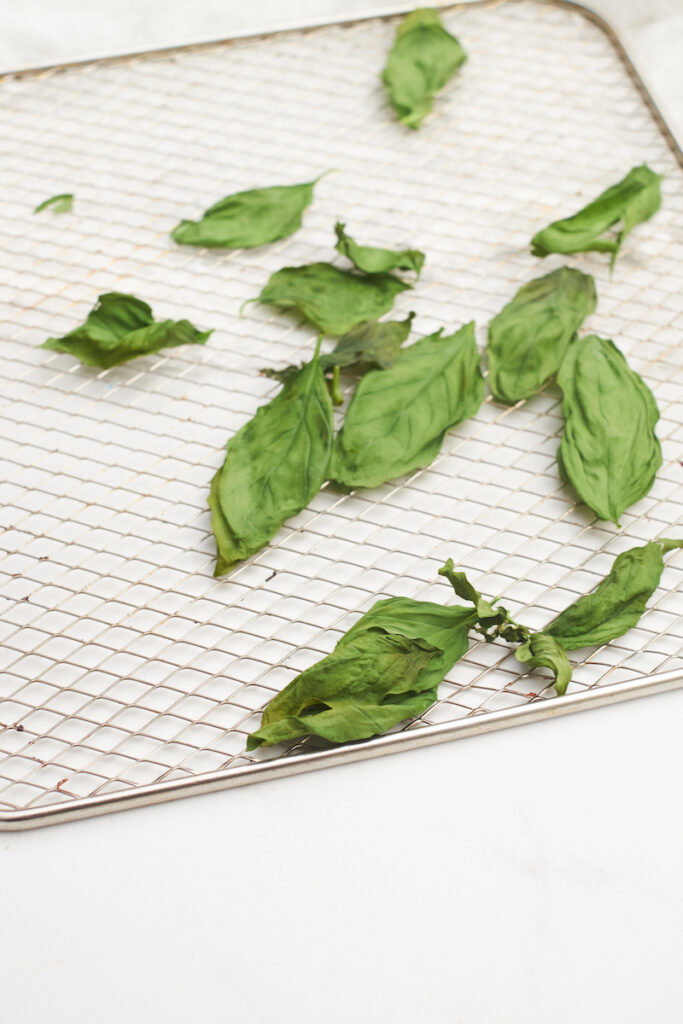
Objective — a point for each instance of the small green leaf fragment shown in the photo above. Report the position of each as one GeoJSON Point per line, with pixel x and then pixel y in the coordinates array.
{"type": "Point", "coordinates": [530, 336]}
{"type": "Point", "coordinates": [668, 544]}
{"type": "Point", "coordinates": [121, 327]}
{"type": "Point", "coordinates": [609, 449]}
{"type": "Point", "coordinates": [335, 390]}
{"type": "Point", "coordinates": [248, 219]}
{"type": "Point", "coordinates": [634, 199]}
{"type": "Point", "coordinates": [335, 301]}
{"type": "Point", "coordinates": [397, 418]}
{"type": "Point", "coordinates": [372, 260]}
{"type": "Point", "coordinates": [420, 63]}
{"type": "Point", "coordinates": [58, 204]}
{"type": "Point", "coordinates": [541, 650]}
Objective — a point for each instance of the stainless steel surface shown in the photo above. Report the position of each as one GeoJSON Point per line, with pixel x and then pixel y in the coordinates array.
{"type": "Point", "coordinates": [129, 674]}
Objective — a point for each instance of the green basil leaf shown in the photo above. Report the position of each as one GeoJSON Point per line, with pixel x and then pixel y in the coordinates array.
{"type": "Point", "coordinates": [58, 204]}
{"type": "Point", "coordinates": [371, 345]}
{"type": "Point", "coordinates": [633, 200]}
{"type": "Point", "coordinates": [335, 301]}
{"type": "Point", "coordinates": [248, 219]}
{"type": "Point", "coordinates": [541, 650]}
{"type": "Point", "coordinates": [398, 417]}
{"type": "Point", "coordinates": [492, 622]}
{"type": "Point", "coordinates": [386, 669]}
{"type": "Point", "coordinates": [617, 603]}
{"type": "Point", "coordinates": [423, 58]}
{"type": "Point", "coordinates": [121, 327]}
{"type": "Point", "coordinates": [609, 451]}
{"type": "Point", "coordinates": [530, 336]}
{"type": "Point", "coordinates": [372, 260]}
{"type": "Point", "coordinates": [273, 466]}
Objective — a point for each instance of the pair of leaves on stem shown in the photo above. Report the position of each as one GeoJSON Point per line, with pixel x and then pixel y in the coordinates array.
{"type": "Point", "coordinates": [249, 219]}
{"type": "Point", "coordinates": [631, 201]}
{"type": "Point", "coordinates": [121, 327]}
{"type": "Point", "coordinates": [387, 668]}
{"type": "Point", "coordinates": [423, 58]}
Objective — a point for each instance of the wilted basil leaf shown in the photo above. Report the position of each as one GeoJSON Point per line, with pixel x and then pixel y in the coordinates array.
{"type": "Point", "coordinates": [398, 417]}
{"type": "Point", "coordinates": [248, 219]}
{"type": "Point", "coordinates": [384, 670]}
{"type": "Point", "coordinates": [371, 345]}
{"type": "Point", "coordinates": [529, 337]}
{"type": "Point", "coordinates": [59, 204]}
{"type": "Point", "coordinates": [609, 450]}
{"type": "Point", "coordinates": [333, 300]}
{"type": "Point", "coordinates": [372, 260]}
{"type": "Point", "coordinates": [273, 467]}
{"type": "Point", "coordinates": [634, 199]}
{"type": "Point", "coordinates": [121, 327]}
{"type": "Point", "coordinates": [492, 620]}
{"type": "Point", "coordinates": [543, 651]}
{"type": "Point", "coordinates": [423, 58]}
{"type": "Point", "coordinates": [617, 603]}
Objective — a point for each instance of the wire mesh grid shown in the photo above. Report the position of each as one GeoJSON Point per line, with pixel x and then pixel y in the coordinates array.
{"type": "Point", "coordinates": [124, 663]}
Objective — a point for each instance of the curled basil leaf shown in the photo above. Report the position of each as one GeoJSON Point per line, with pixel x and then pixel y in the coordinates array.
{"type": "Point", "coordinates": [631, 201]}
{"type": "Point", "coordinates": [372, 260]}
{"type": "Point", "coordinates": [543, 651]}
{"type": "Point", "coordinates": [58, 204]}
{"type": "Point", "coordinates": [273, 467]}
{"type": "Point", "coordinates": [335, 301]}
{"type": "Point", "coordinates": [423, 58]}
{"type": "Point", "coordinates": [121, 327]}
{"type": "Point", "coordinates": [609, 451]}
{"type": "Point", "coordinates": [385, 670]}
{"type": "Point", "coordinates": [530, 336]}
{"type": "Point", "coordinates": [248, 219]}
{"type": "Point", "coordinates": [372, 345]}
{"type": "Point", "coordinates": [617, 603]}
{"type": "Point", "coordinates": [398, 417]}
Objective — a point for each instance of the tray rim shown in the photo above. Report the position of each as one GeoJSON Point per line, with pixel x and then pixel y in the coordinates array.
{"type": "Point", "coordinates": [429, 735]}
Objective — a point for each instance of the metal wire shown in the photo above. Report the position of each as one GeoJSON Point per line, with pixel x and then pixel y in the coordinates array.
{"type": "Point", "coordinates": [125, 665]}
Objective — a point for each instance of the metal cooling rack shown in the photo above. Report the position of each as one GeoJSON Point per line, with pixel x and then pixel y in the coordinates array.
{"type": "Point", "coordinates": [129, 674]}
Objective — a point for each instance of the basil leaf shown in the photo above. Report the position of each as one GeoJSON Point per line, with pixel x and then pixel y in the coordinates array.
{"type": "Point", "coordinates": [634, 199]}
{"type": "Point", "coordinates": [617, 603]}
{"type": "Point", "coordinates": [492, 622]}
{"type": "Point", "coordinates": [386, 669]}
{"type": "Point", "coordinates": [530, 336]}
{"type": "Point", "coordinates": [372, 260]}
{"type": "Point", "coordinates": [333, 300]}
{"type": "Point", "coordinates": [609, 450]}
{"type": "Point", "coordinates": [121, 327]}
{"type": "Point", "coordinates": [541, 650]}
{"type": "Point", "coordinates": [371, 345]}
{"type": "Point", "coordinates": [423, 58]}
{"type": "Point", "coordinates": [248, 219]}
{"type": "Point", "coordinates": [59, 204]}
{"type": "Point", "coordinates": [398, 417]}
{"type": "Point", "coordinates": [273, 466]}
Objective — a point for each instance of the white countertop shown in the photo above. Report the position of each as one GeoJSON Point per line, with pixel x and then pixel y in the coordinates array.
{"type": "Point", "coordinates": [514, 878]}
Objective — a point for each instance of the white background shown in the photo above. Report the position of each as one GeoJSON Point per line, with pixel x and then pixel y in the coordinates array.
{"type": "Point", "coordinates": [517, 878]}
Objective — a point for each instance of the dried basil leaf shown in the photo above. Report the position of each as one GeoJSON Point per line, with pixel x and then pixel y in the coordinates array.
{"type": "Point", "coordinates": [385, 670]}
{"type": "Point", "coordinates": [121, 327]}
{"type": "Point", "coordinates": [609, 451]}
{"type": "Point", "coordinates": [58, 204]}
{"type": "Point", "coordinates": [631, 201]}
{"type": "Point", "coordinates": [423, 58]}
{"type": "Point", "coordinates": [543, 651]}
{"type": "Point", "coordinates": [371, 345]}
{"type": "Point", "coordinates": [248, 219]}
{"type": "Point", "coordinates": [335, 301]}
{"type": "Point", "coordinates": [530, 336]}
{"type": "Point", "coordinates": [273, 466]}
{"type": "Point", "coordinates": [617, 603]}
{"type": "Point", "coordinates": [398, 417]}
{"type": "Point", "coordinates": [372, 260]}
